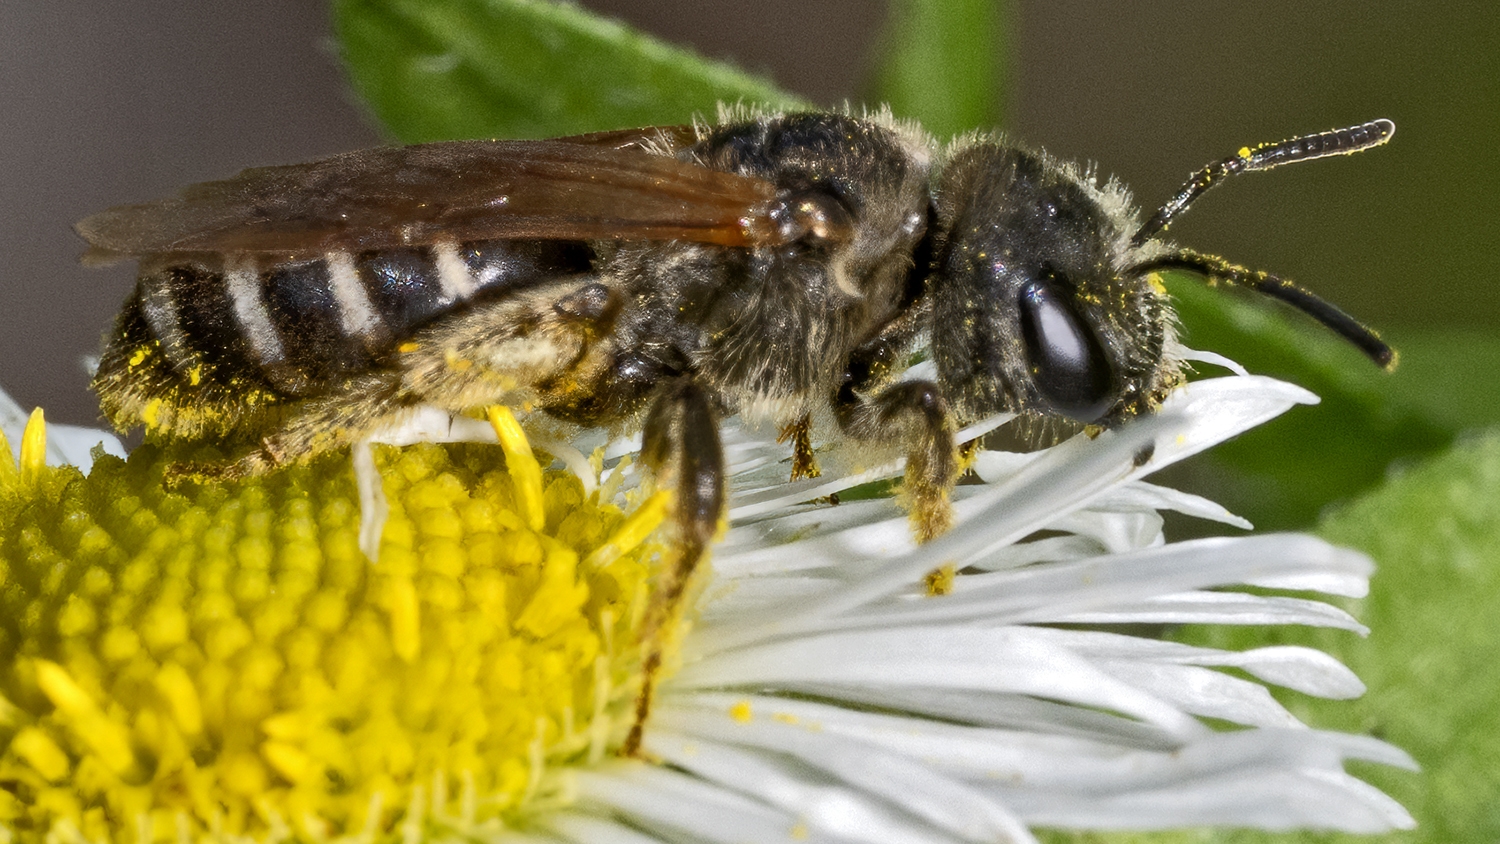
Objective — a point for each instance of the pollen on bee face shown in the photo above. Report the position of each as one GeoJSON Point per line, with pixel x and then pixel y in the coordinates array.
{"type": "Point", "coordinates": [203, 662]}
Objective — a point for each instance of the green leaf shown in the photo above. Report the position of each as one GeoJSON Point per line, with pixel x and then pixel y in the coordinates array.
{"type": "Point", "coordinates": [1281, 474]}
{"type": "Point", "coordinates": [945, 62]}
{"type": "Point", "coordinates": [1452, 377]}
{"type": "Point", "coordinates": [446, 69]}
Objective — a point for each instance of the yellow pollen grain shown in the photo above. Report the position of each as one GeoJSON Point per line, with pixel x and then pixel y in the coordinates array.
{"type": "Point", "coordinates": [456, 363]}
{"type": "Point", "coordinates": [741, 712]}
{"type": "Point", "coordinates": [33, 448]}
{"type": "Point", "coordinates": [9, 473]}
{"type": "Point", "coordinates": [525, 472]}
{"type": "Point", "coordinates": [1246, 153]}
{"type": "Point", "coordinates": [139, 356]}
{"type": "Point", "coordinates": [407, 348]}
{"type": "Point", "coordinates": [406, 619]}
{"type": "Point", "coordinates": [640, 524]}
{"type": "Point", "coordinates": [218, 662]}
{"type": "Point", "coordinates": [38, 750]}
{"type": "Point", "coordinates": [151, 413]}
{"type": "Point", "coordinates": [939, 581]}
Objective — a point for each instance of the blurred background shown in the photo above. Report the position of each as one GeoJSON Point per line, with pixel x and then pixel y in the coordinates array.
{"type": "Point", "coordinates": [109, 103]}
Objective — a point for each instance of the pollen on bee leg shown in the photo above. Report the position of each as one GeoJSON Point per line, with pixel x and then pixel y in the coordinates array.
{"type": "Point", "coordinates": [939, 581]}
{"type": "Point", "coordinates": [804, 462]}
{"type": "Point", "coordinates": [456, 363]}
{"type": "Point", "coordinates": [968, 453]}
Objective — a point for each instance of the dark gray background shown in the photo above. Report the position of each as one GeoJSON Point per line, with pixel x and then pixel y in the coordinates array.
{"type": "Point", "coordinates": [106, 103]}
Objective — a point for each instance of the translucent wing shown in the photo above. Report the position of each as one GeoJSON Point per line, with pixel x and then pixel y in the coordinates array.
{"type": "Point", "coordinates": [602, 186]}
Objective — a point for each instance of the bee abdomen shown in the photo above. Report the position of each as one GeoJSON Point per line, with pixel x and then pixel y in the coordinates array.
{"type": "Point", "coordinates": [298, 328]}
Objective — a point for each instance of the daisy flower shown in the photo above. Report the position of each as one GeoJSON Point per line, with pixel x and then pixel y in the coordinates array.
{"type": "Point", "coordinates": [221, 662]}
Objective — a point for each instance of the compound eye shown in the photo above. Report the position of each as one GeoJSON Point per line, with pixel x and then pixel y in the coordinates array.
{"type": "Point", "coordinates": [1068, 365]}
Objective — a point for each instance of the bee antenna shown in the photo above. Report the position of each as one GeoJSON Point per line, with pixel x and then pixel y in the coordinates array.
{"type": "Point", "coordinates": [1218, 269]}
{"type": "Point", "coordinates": [1264, 157]}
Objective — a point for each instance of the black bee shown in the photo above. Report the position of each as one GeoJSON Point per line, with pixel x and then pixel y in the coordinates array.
{"type": "Point", "coordinates": [779, 266]}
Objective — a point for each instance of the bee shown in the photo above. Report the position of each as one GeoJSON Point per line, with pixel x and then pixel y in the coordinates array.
{"type": "Point", "coordinates": [778, 266]}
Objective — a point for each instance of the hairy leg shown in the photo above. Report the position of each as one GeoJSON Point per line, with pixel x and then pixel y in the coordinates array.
{"type": "Point", "coordinates": [681, 444]}
{"type": "Point", "coordinates": [914, 416]}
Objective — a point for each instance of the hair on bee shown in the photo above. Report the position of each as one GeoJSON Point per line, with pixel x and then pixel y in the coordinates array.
{"type": "Point", "coordinates": [778, 266]}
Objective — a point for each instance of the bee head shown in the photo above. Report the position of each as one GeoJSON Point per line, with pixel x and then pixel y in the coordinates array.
{"type": "Point", "coordinates": [1046, 302]}
{"type": "Point", "coordinates": [1032, 313]}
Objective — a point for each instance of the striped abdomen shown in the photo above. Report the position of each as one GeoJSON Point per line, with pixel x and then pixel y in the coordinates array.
{"type": "Point", "coordinates": [215, 330]}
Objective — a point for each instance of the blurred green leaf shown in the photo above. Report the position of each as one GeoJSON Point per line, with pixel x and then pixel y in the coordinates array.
{"type": "Point", "coordinates": [945, 63]}
{"type": "Point", "coordinates": [1281, 474]}
{"type": "Point", "coordinates": [1452, 377]}
{"type": "Point", "coordinates": [446, 69]}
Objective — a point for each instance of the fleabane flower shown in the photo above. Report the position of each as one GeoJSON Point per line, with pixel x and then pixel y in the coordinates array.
{"type": "Point", "coordinates": [217, 662]}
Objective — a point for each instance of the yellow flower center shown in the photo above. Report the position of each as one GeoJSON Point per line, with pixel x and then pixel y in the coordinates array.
{"type": "Point", "coordinates": [220, 660]}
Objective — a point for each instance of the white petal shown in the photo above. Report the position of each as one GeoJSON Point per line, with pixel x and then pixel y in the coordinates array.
{"type": "Point", "coordinates": [1116, 532]}
{"type": "Point", "coordinates": [1046, 593]}
{"type": "Point", "coordinates": [836, 809]}
{"type": "Point", "coordinates": [1302, 669]}
{"type": "Point", "coordinates": [1140, 494]}
{"type": "Point", "coordinates": [677, 804]}
{"type": "Point", "coordinates": [1272, 797]}
{"type": "Point", "coordinates": [1058, 780]}
{"type": "Point", "coordinates": [1010, 660]}
{"type": "Point", "coordinates": [1219, 608]}
{"type": "Point", "coordinates": [580, 828]}
{"type": "Point", "coordinates": [1205, 693]}
{"type": "Point", "coordinates": [1198, 356]}
{"type": "Point", "coordinates": [912, 786]}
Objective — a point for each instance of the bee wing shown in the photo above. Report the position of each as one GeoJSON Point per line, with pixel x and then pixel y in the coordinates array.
{"type": "Point", "coordinates": [603, 186]}
{"type": "Point", "coordinates": [662, 139]}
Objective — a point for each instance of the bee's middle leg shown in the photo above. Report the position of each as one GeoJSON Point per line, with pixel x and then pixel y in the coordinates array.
{"type": "Point", "coordinates": [914, 415]}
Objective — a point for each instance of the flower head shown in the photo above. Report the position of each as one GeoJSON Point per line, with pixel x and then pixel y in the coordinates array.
{"type": "Point", "coordinates": [221, 661]}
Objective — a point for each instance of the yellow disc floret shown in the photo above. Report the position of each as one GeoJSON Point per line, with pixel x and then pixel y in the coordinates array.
{"type": "Point", "coordinates": [220, 661]}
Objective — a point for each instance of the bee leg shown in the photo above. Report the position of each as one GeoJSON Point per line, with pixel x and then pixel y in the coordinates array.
{"type": "Point", "coordinates": [915, 415]}
{"type": "Point", "coordinates": [680, 443]}
{"type": "Point", "coordinates": [804, 462]}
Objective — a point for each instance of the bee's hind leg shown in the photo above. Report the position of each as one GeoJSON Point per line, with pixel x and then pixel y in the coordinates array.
{"type": "Point", "coordinates": [681, 444]}
{"type": "Point", "coordinates": [358, 410]}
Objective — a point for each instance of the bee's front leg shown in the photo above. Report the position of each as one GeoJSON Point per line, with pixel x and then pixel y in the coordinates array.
{"type": "Point", "coordinates": [913, 415]}
{"type": "Point", "coordinates": [681, 444]}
